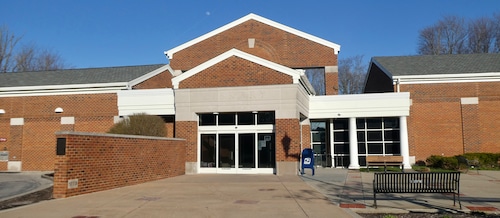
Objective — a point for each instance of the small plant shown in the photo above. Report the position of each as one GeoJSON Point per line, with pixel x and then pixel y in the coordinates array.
{"type": "Point", "coordinates": [390, 216]}
{"type": "Point", "coordinates": [140, 124]}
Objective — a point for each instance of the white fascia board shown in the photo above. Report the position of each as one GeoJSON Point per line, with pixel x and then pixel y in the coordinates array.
{"type": "Point", "coordinates": [295, 74]}
{"type": "Point", "coordinates": [448, 78]}
{"type": "Point", "coordinates": [360, 105]}
{"type": "Point", "coordinates": [150, 75]}
{"type": "Point", "coordinates": [170, 53]}
{"type": "Point", "coordinates": [59, 89]}
{"type": "Point", "coordinates": [150, 101]}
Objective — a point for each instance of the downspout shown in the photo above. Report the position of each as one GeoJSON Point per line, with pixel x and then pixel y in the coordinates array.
{"type": "Point", "coordinates": [398, 81]}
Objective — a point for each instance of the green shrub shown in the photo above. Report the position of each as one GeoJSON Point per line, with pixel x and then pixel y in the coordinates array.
{"type": "Point", "coordinates": [140, 124]}
{"type": "Point", "coordinates": [447, 163]}
{"type": "Point", "coordinates": [483, 160]}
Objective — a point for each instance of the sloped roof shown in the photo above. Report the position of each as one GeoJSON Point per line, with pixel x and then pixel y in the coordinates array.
{"type": "Point", "coordinates": [438, 64]}
{"type": "Point", "coordinates": [76, 76]}
{"type": "Point", "coordinates": [248, 17]}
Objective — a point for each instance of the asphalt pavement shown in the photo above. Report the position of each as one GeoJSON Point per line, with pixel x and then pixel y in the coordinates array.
{"type": "Point", "coordinates": [15, 184]}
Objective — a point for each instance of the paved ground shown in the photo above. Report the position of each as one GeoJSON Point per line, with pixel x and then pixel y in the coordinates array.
{"type": "Point", "coordinates": [15, 184]}
{"type": "Point", "coordinates": [330, 193]}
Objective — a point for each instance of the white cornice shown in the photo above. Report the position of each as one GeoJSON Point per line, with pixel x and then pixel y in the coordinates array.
{"type": "Point", "coordinates": [295, 74]}
{"type": "Point", "coordinates": [448, 78]}
{"type": "Point", "coordinates": [63, 89]}
{"type": "Point", "coordinates": [170, 53]}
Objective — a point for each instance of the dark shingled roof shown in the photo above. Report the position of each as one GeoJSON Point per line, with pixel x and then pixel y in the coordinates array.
{"type": "Point", "coordinates": [439, 64]}
{"type": "Point", "coordinates": [76, 76]}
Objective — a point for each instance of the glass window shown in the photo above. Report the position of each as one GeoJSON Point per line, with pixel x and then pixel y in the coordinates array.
{"type": "Point", "coordinates": [227, 119]}
{"type": "Point", "coordinates": [265, 117]}
{"type": "Point", "coordinates": [318, 136]}
{"type": "Point", "coordinates": [319, 148]}
{"type": "Point", "coordinates": [208, 142]}
{"type": "Point", "coordinates": [341, 136]}
{"type": "Point", "coordinates": [341, 148]}
{"type": "Point", "coordinates": [391, 135]}
{"type": "Point", "coordinates": [246, 118]}
{"type": "Point", "coordinates": [361, 148]}
{"type": "Point", "coordinates": [361, 136]}
{"type": "Point", "coordinates": [374, 123]}
{"type": "Point", "coordinates": [207, 119]}
{"type": "Point", "coordinates": [339, 124]}
{"type": "Point", "coordinates": [360, 123]}
{"type": "Point", "coordinates": [375, 148]}
{"type": "Point", "coordinates": [318, 126]}
{"type": "Point", "coordinates": [391, 122]}
{"type": "Point", "coordinates": [393, 148]}
{"type": "Point", "coordinates": [374, 136]}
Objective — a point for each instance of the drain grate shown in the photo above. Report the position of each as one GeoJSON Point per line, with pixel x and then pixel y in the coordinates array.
{"type": "Point", "coordinates": [480, 208]}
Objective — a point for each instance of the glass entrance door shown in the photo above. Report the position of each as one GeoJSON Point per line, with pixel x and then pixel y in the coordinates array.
{"type": "Point", "coordinates": [237, 153]}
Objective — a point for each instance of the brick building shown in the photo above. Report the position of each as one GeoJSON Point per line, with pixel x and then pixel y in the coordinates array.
{"type": "Point", "coordinates": [239, 96]}
{"type": "Point", "coordinates": [455, 100]}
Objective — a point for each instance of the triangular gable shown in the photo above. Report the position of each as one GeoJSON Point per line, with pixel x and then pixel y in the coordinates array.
{"type": "Point", "coordinates": [170, 53]}
{"type": "Point", "coordinates": [295, 74]}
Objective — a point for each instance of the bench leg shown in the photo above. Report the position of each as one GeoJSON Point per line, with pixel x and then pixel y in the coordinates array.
{"type": "Point", "coordinates": [375, 200]}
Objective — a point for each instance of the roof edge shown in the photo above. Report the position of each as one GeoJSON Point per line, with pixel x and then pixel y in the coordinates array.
{"type": "Point", "coordinates": [170, 53]}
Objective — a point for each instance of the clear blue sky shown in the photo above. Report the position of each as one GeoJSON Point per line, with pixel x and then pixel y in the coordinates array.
{"type": "Point", "coordinates": [101, 33]}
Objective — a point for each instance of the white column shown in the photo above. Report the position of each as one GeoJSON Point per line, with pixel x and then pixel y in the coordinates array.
{"type": "Point", "coordinates": [332, 151]}
{"type": "Point", "coordinates": [353, 144]}
{"type": "Point", "coordinates": [403, 133]}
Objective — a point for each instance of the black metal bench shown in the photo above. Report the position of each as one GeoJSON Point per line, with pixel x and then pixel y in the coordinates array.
{"type": "Point", "coordinates": [434, 182]}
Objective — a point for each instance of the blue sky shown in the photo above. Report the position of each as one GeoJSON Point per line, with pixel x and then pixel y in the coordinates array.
{"type": "Point", "coordinates": [98, 33]}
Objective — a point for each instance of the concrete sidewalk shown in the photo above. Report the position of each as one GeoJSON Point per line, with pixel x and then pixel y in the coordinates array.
{"type": "Point", "coordinates": [195, 196]}
{"type": "Point", "coordinates": [330, 193]}
{"type": "Point", "coordinates": [479, 191]}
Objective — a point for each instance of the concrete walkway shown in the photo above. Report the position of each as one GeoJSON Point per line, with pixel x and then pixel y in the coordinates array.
{"type": "Point", "coordinates": [330, 193]}
{"type": "Point", "coordinates": [195, 196]}
{"type": "Point", "coordinates": [479, 191]}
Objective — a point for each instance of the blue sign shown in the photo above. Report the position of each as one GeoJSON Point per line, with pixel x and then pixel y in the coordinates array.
{"type": "Point", "coordinates": [307, 160]}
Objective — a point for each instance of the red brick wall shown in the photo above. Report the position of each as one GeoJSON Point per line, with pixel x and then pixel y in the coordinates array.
{"type": "Point", "coordinates": [102, 162]}
{"type": "Point", "coordinates": [332, 83]}
{"type": "Point", "coordinates": [188, 130]}
{"type": "Point", "coordinates": [235, 71]}
{"type": "Point", "coordinates": [440, 125]}
{"type": "Point", "coordinates": [162, 80]}
{"type": "Point", "coordinates": [287, 140]}
{"type": "Point", "coordinates": [270, 43]}
{"type": "Point", "coordinates": [33, 143]}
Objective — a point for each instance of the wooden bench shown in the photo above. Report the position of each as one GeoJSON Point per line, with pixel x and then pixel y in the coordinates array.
{"type": "Point", "coordinates": [433, 182]}
{"type": "Point", "coordinates": [384, 161]}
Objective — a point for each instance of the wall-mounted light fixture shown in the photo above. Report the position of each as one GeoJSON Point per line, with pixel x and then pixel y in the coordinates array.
{"type": "Point", "coordinates": [58, 110]}
{"type": "Point", "coordinates": [2, 111]}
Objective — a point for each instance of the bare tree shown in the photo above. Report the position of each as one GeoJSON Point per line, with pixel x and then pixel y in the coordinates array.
{"type": "Point", "coordinates": [448, 36]}
{"type": "Point", "coordinates": [316, 77]}
{"type": "Point", "coordinates": [481, 35]}
{"type": "Point", "coordinates": [8, 42]}
{"type": "Point", "coordinates": [352, 73]}
{"type": "Point", "coordinates": [496, 25]}
{"type": "Point", "coordinates": [27, 58]}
